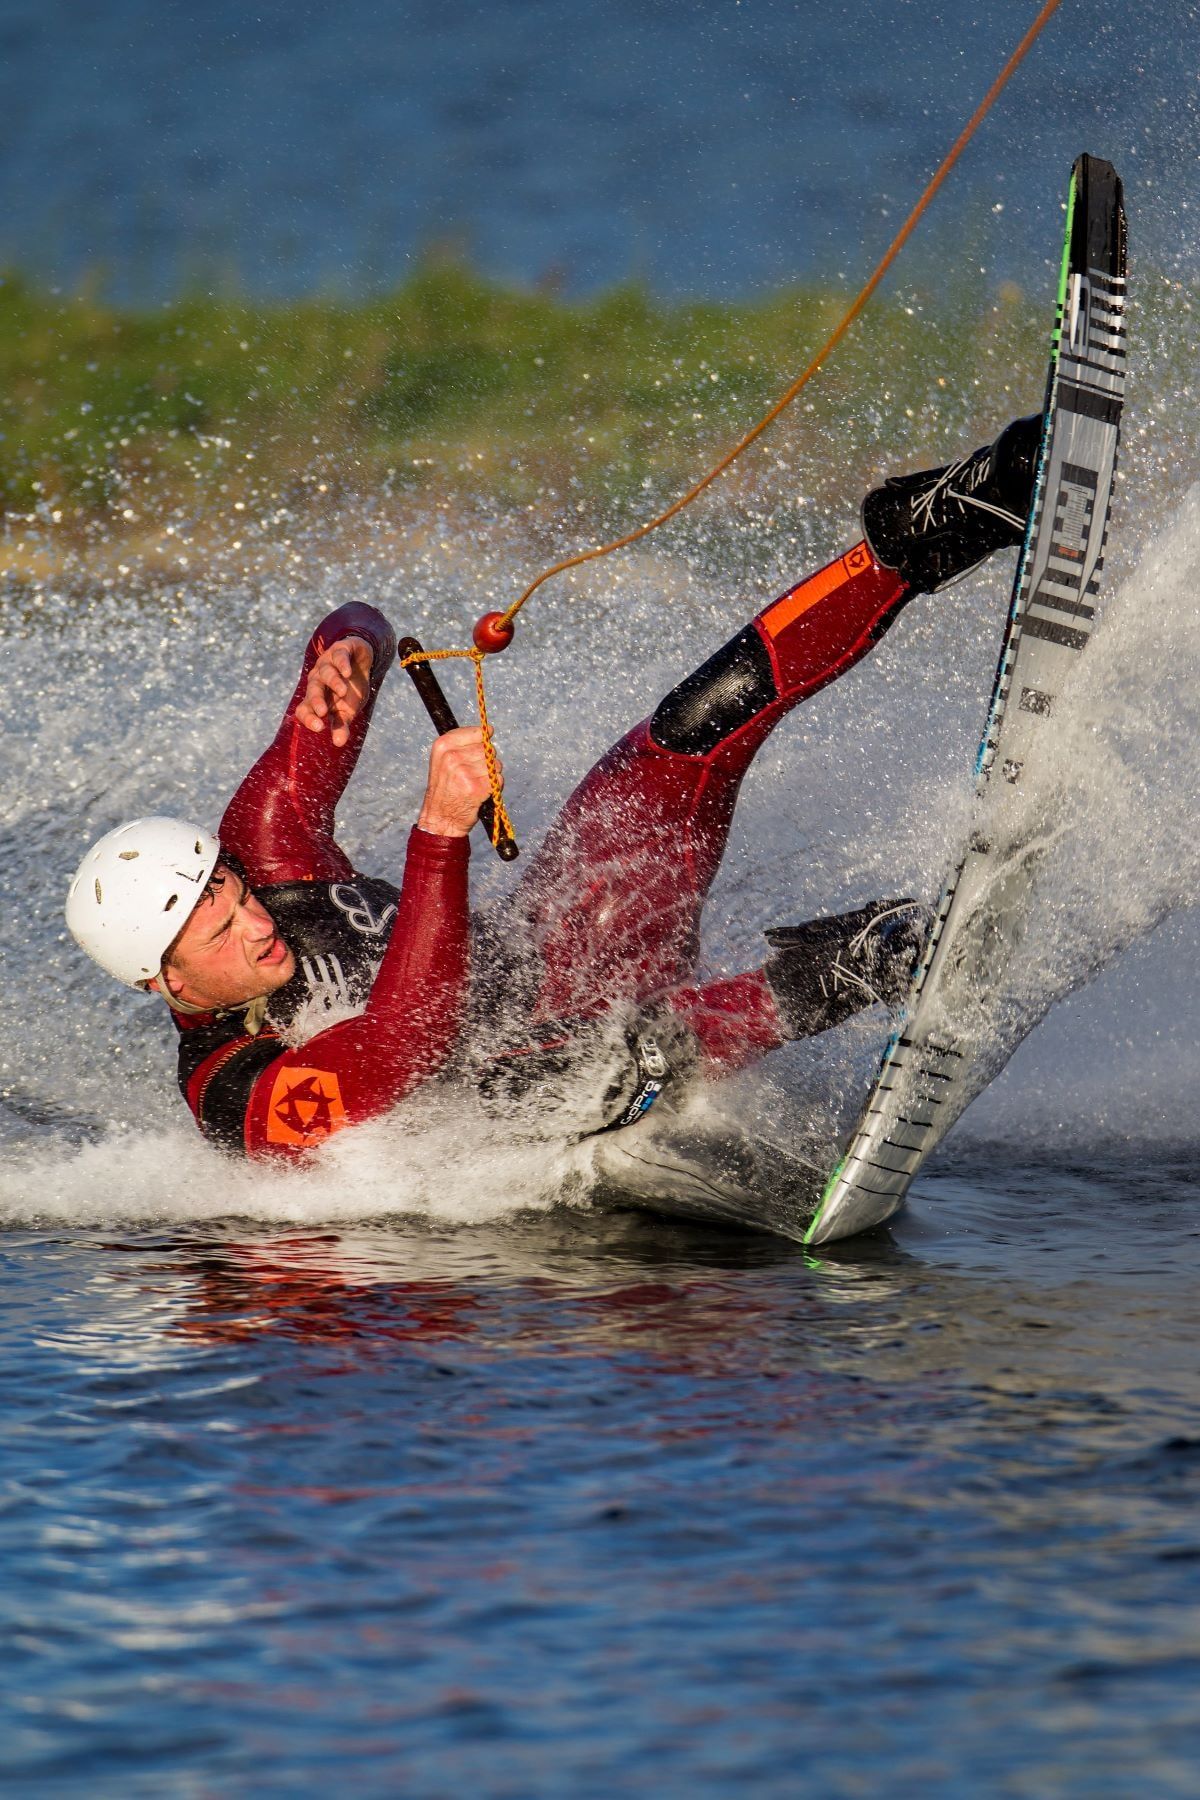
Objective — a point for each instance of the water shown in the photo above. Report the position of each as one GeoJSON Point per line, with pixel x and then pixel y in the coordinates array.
{"type": "Point", "coordinates": [575, 1506]}
{"type": "Point", "coordinates": [414, 1471]}
{"type": "Point", "coordinates": [709, 146]}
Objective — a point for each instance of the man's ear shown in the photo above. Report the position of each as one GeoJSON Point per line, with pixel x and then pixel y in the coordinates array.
{"type": "Point", "coordinates": [165, 984]}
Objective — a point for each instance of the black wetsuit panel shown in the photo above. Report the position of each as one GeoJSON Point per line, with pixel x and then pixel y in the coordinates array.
{"type": "Point", "coordinates": [338, 931]}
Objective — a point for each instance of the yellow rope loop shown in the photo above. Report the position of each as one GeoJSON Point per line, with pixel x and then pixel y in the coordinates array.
{"type": "Point", "coordinates": [501, 823]}
{"type": "Point", "coordinates": [434, 656]}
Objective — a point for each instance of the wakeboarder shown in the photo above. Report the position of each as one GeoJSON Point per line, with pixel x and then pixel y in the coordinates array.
{"type": "Point", "coordinates": [309, 997]}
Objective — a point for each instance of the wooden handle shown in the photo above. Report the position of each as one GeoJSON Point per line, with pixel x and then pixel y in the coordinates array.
{"type": "Point", "coordinates": [442, 715]}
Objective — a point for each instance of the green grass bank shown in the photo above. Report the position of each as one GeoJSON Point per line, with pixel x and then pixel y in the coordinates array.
{"type": "Point", "coordinates": [112, 419]}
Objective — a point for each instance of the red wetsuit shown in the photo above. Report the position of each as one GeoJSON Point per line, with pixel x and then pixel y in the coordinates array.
{"type": "Point", "coordinates": [607, 912]}
{"type": "Point", "coordinates": [279, 828]}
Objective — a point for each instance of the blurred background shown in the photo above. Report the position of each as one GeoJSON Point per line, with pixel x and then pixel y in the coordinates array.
{"type": "Point", "coordinates": [705, 147]}
{"type": "Point", "coordinates": [526, 246]}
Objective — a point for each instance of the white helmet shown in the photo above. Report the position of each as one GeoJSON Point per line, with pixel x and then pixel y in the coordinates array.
{"type": "Point", "coordinates": [134, 892]}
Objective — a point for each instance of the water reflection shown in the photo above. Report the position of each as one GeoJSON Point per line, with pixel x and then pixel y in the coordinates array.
{"type": "Point", "coordinates": [630, 1494]}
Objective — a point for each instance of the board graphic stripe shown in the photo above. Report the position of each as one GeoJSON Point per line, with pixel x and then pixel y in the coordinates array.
{"type": "Point", "coordinates": [1089, 404]}
{"type": "Point", "coordinates": [1064, 635]}
{"type": "Point", "coordinates": [1061, 603]}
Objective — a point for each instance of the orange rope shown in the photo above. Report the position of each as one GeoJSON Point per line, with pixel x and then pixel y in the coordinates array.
{"type": "Point", "coordinates": [501, 820]}
{"type": "Point", "coordinates": [501, 823]}
{"type": "Point", "coordinates": [785, 400]}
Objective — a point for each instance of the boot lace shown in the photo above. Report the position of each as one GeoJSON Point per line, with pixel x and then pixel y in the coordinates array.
{"type": "Point", "coordinates": [957, 484]}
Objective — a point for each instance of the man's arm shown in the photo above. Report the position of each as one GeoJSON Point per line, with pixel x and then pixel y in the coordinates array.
{"type": "Point", "coordinates": [282, 1104]}
{"type": "Point", "coordinates": [279, 824]}
{"type": "Point", "coordinates": [362, 1067]}
{"type": "Point", "coordinates": [248, 1095]}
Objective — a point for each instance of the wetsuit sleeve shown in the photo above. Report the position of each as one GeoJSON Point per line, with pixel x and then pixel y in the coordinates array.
{"type": "Point", "coordinates": [279, 824]}
{"type": "Point", "coordinates": [360, 1068]}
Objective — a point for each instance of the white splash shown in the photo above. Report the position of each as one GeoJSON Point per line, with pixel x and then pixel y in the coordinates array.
{"type": "Point", "coordinates": [865, 791]}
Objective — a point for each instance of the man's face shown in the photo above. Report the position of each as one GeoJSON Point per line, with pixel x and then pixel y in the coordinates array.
{"type": "Point", "coordinates": [229, 950]}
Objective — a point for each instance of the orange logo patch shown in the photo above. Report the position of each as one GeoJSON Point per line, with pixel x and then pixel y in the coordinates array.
{"type": "Point", "coordinates": [305, 1106]}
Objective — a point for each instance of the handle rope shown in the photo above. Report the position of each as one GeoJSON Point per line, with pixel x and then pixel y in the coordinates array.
{"type": "Point", "coordinates": [501, 824]}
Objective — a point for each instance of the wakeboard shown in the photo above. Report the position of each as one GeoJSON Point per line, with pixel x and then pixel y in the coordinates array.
{"type": "Point", "coordinates": [931, 1066]}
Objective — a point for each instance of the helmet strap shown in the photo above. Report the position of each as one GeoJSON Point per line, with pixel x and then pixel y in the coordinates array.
{"type": "Point", "coordinates": [186, 1007]}
{"type": "Point", "coordinates": [255, 1010]}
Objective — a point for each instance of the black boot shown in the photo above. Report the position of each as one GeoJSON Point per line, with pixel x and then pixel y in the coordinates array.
{"type": "Point", "coordinates": [939, 524]}
{"type": "Point", "coordinates": [824, 972]}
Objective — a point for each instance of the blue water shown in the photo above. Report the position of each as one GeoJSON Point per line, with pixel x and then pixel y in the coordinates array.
{"type": "Point", "coordinates": [579, 1506]}
{"type": "Point", "coordinates": [708, 146]}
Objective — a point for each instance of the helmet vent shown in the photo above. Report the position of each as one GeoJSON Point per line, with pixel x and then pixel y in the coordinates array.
{"type": "Point", "coordinates": [170, 902]}
{"type": "Point", "coordinates": [199, 848]}
{"type": "Point", "coordinates": [129, 855]}
{"type": "Point", "coordinates": [99, 896]}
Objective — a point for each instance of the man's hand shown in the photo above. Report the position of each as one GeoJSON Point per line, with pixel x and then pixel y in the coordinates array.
{"type": "Point", "coordinates": [337, 689]}
{"type": "Point", "coordinates": [458, 783]}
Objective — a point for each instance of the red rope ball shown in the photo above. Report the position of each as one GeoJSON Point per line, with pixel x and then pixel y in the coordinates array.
{"type": "Point", "coordinates": [491, 634]}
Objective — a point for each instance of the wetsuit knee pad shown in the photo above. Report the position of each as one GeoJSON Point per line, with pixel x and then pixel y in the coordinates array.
{"type": "Point", "coordinates": [718, 699]}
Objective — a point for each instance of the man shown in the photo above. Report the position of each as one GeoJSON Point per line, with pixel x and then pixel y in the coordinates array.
{"type": "Point", "coordinates": [309, 997]}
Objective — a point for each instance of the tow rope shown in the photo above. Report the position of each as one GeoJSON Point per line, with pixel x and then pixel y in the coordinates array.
{"type": "Point", "coordinates": [494, 631]}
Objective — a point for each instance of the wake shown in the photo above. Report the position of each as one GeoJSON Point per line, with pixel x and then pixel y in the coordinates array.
{"type": "Point", "coordinates": [866, 790]}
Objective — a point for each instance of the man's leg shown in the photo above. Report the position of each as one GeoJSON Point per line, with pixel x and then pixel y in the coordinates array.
{"type": "Point", "coordinates": [819, 975]}
{"type": "Point", "coordinates": [612, 901]}
{"type": "Point", "coordinates": [613, 898]}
